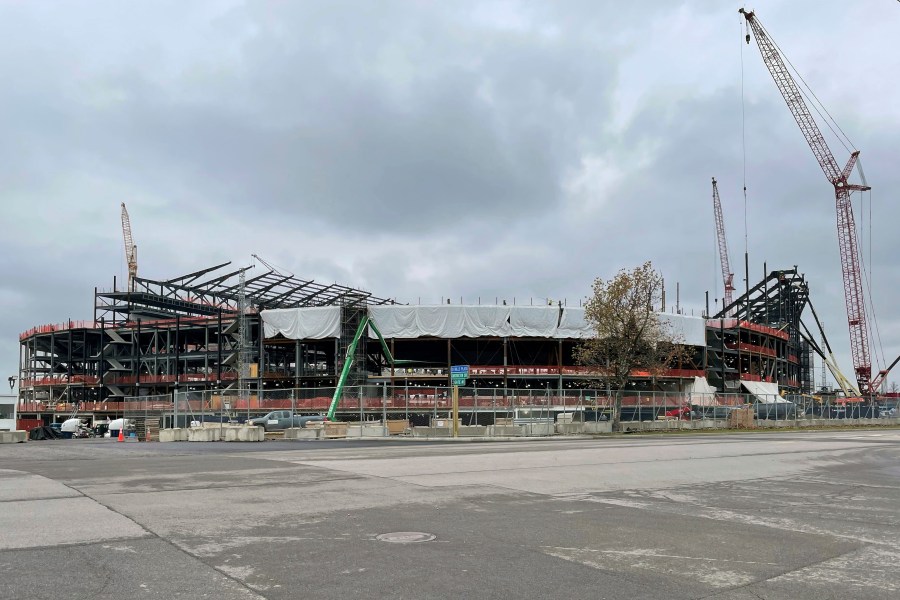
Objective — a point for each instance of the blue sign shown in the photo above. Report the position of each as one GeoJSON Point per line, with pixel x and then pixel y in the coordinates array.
{"type": "Point", "coordinates": [460, 370]}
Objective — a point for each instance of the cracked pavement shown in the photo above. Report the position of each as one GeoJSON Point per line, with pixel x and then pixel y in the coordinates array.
{"type": "Point", "coordinates": [783, 515]}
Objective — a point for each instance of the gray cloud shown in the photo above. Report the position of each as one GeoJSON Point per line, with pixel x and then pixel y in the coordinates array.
{"type": "Point", "coordinates": [425, 150]}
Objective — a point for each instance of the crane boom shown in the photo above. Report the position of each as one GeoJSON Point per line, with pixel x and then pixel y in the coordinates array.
{"type": "Point", "coordinates": [849, 250]}
{"type": "Point", "coordinates": [727, 274]}
{"type": "Point", "coordinates": [130, 248]}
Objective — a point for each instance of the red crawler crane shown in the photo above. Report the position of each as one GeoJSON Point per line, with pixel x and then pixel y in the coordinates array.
{"type": "Point", "coordinates": [727, 274]}
{"type": "Point", "coordinates": [853, 287]}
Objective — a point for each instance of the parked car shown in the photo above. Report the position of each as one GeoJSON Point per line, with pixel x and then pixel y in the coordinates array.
{"type": "Point", "coordinates": [282, 419]}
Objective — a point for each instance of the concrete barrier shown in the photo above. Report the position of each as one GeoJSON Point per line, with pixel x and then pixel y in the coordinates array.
{"type": "Point", "coordinates": [355, 431]}
{"type": "Point", "coordinates": [15, 436]}
{"type": "Point", "coordinates": [204, 434]}
{"type": "Point", "coordinates": [303, 433]}
{"type": "Point", "coordinates": [472, 430]}
{"type": "Point", "coordinates": [506, 430]}
{"type": "Point", "coordinates": [245, 433]}
{"type": "Point", "coordinates": [538, 429]}
{"type": "Point", "coordinates": [594, 427]}
{"type": "Point", "coordinates": [173, 435]}
{"type": "Point", "coordinates": [430, 432]}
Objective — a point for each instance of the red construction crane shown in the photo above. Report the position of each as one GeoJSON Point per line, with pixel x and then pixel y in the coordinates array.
{"type": "Point", "coordinates": [130, 248]}
{"type": "Point", "coordinates": [853, 286]}
{"type": "Point", "coordinates": [727, 274]}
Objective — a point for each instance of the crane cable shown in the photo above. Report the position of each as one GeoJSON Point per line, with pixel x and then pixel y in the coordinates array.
{"type": "Point", "coordinates": [744, 134]}
{"type": "Point", "coordinates": [872, 323]}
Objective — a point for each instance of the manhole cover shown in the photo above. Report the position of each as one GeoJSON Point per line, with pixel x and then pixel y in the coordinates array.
{"type": "Point", "coordinates": [405, 537]}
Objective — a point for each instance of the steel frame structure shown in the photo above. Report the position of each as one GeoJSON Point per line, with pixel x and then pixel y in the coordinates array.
{"type": "Point", "coordinates": [775, 303]}
{"type": "Point", "coordinates": [195, 294]}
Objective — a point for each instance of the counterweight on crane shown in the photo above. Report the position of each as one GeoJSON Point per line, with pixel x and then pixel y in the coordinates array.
{"type": "Point", "coordinates": [130, 248]}
{"type": "Point", "coordinates": [853, 287]}
{"type": "Point", "coordinates": [727, 274]}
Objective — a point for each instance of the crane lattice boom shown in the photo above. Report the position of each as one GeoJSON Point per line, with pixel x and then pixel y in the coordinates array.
{"type": "Point", "coordinates": [727, 274]}
{"type": "Point", "coordinates": [853, 287]}
{"type": "Point", "coordinates": [130, 248]}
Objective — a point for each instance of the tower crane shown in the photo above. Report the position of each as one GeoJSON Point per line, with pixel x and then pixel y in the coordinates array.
{"type": "Point", "coordinates": [130, 248]}
{"type": "Point", "coordinates": [854, 298]}
{"type": "Point", "coordinates": [727, 274]}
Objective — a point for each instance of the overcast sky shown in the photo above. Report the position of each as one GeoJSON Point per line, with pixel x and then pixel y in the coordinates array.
{"type": "Point", "coordinates": [422, 150]}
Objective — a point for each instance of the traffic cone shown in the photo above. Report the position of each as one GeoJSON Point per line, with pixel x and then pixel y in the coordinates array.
{"type": "Point", "coordinates": [122, 435]}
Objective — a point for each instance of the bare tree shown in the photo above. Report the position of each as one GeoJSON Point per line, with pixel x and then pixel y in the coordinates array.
{"type": "Point", "coordinates": [630, 336]}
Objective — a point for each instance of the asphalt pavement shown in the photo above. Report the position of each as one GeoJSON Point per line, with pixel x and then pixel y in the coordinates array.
{"type": "Point", "coordinates": [811, 515]}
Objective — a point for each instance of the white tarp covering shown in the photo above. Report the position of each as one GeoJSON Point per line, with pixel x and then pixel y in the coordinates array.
{"type": "Point", "coordinates": [403, 321]}
{"type": "Point", "coordinates": [573, 325]}
{"type": "Point", "coordinates": [701, 392]}
{"type": "Point", "coordinates": [766, 393]}
{"type": "Point", "coordinates": [533, 321]}
{"type": "Point", "coordinates": [440, 321]}
{"type": "Point", "coordinates": [307, 323]}
{"type": "Point", "coordinates": [691, 330]}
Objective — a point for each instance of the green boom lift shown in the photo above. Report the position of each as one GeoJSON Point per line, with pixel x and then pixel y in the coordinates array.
{"type": "Point", "coordinates": [348, 362]}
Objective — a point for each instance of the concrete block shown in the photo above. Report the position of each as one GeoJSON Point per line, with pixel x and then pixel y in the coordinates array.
{"type": "Point", "coordinates": [355, 431]}
{"type": "Point", "coordinates": [593, 427]}
{"type": "Point", "coordinates": [538, 429]}
{"type": "Point", "coordinates": [374, 431]}
{"type": "Point", "coordinates": [13, 437]}
{"type": "Point", "coordinates": [305, 433]}
{"type": "Point", "coordinates": [568, 428]}
{"type": "Point", "coordinates": [244, 433]}
{"type": "Point", "coordinates": [472, 430]}
{"type": "Point", "coordinates": [173, 435]}
{"type": "Point", "coordinates": [506, 430]}
{"type": "Point", "coordinates": [430, 432]}
{"type": "Point", "coordinates": [204, 434]}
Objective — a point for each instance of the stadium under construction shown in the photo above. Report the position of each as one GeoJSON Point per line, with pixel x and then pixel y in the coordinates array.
{"type": "Point", "coordinates": [273, 340]}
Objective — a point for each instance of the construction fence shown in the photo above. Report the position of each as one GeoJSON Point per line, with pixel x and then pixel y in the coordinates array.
{"type": "Point", "coordinates": [432, 406]}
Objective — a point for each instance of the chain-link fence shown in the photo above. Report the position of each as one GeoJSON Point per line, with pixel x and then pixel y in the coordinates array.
{"type": "Point", "coordinates": [144, 416]}
{"type": "Point", "coordinates": [421, 406]}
